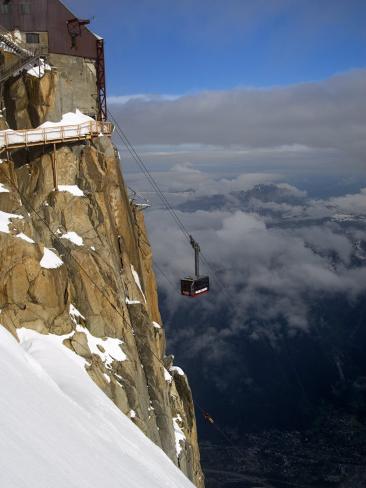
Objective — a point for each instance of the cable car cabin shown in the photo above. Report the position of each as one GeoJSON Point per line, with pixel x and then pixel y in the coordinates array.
{"type": "Point", "coordinates": [199, 285]}
{"type": "Point", "coordinates": [194, 287]}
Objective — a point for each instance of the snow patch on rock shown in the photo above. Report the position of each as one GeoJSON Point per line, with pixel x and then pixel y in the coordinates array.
{"type": "Point", "coordinates": [132, 302]}
{"type": "Point", "coordinates": [180, 438]}
{"type": "Point", "coordinates": [73, 237]}
{"type": "Point", "coordinates": [75, 314]}
{"type": "Point", "coordinates": [69, 118]}
{"type": "Point", "coordinates": [25, 238]}
{"type": "Point", "coordinates": [137, 280]}
{"type": "Point", "coordinates": [5, 220]}
{"type": "Point", "coordinates": [108, 348]}
{"type": "Point", "coordinates": [3, 189]}
{"type": "Point", "coordinates": [167, 376]}
{"type": "Point", "coordinates": [177, 369]}
{"type": "Point", "coordinates": [50, 260]}
{"type": "Point", "coordinates": [73, 189]}
{"type": "Point", "coordinates": [39, 70]}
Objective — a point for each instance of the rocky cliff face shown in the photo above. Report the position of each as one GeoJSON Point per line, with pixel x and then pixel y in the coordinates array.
{"type": "Point", "coordinates": [76, 262]}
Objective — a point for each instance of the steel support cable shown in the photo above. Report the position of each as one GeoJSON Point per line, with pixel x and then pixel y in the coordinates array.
{"type": "Point", "coordinates": [137, 158]}
{"type": "Point", "coordinates": [147, 243]}
{"type": "Point", "coordinates": [152, 181]}
{"type": "Point", "coordinates": [131, 149]}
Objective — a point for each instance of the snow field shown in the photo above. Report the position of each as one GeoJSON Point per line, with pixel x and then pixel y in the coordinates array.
{"type": "Point", "coordinates": [59, 430]}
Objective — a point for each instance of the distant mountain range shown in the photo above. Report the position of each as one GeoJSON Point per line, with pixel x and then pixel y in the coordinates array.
{"type": "Point", "coordinates": [244, 200]}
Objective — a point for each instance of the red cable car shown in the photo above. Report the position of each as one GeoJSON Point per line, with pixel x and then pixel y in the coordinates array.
{"type": "Point", "coordinates": [199, 285]}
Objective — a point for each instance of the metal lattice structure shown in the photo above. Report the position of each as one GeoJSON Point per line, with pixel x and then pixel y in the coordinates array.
{"type": "Point", "coordinates": [101, 84]}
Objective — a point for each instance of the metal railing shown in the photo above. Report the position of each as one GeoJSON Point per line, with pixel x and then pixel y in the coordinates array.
{"type": "Point", "coordinates": [19, 46]}
{"type": "Point", "coordinates": [12, 139]}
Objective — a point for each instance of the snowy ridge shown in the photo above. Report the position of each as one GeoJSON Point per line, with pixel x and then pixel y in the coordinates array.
{"type": "Point", "coordinates": [58, 429]}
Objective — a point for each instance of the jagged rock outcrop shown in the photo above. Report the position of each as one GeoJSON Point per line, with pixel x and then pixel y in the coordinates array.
{"type": "Point", "coordinates": [76, 262]}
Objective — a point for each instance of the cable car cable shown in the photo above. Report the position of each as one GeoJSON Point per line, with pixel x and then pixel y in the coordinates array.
{"type": "Point", "coordinates": [128, 325]}
{"type": "Point", "coordinates": [138, 159]}
{"type": "Point", "coordinates": [174, 215]}
{"type": "Point", "coordinates": [168, 206]}
{"type": "Point", "coordinates": [131, 149]}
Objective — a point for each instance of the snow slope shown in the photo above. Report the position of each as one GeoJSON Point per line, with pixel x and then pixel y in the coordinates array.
{"type": "Point", "coordinates": [59, 430]}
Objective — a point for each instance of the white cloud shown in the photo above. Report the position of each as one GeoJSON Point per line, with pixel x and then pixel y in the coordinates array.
{"type": "Point", "coordinates": [317, 123]}
{"type": "Point", "coordinates": [272, 268]}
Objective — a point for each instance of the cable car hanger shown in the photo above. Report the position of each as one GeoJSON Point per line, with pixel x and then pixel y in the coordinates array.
{"type": "Point", "coordinates": [199, 285]}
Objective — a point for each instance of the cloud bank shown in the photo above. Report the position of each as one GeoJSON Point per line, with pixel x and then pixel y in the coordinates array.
{"type": "Point", "coordinates": [306, 124]}
{"type": "Point", "coordinates": [272, 258]}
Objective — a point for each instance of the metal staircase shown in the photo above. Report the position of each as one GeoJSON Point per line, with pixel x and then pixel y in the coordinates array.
{"type": "Point", "coordinates": [20, 49]}
{"type": "Point", "coordinates": [17, 46]}
{"type": "Point", "coordinates": [6, 73]}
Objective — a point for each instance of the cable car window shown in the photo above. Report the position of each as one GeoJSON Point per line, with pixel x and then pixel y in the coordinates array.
{"type": "Point", "coordinates": [32, 38]}
{"type": "Point", "coordinates": [25, 8]}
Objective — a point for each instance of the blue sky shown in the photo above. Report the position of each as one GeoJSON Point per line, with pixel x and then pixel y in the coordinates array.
{"type": "Point", "coordinates": [185, 46]}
